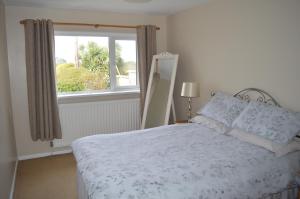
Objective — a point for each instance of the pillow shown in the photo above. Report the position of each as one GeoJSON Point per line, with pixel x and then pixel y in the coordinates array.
{"type": "Point", "coordinates": [223, 108]}
{"type": "Point", "coordinates": [294, 145]}
{"type": "Point", "coordinates": [278, 149]}
{"type": "Point", "coordinates": [210, 123]}
{"type": "Point", "coordinates": [270, 122]}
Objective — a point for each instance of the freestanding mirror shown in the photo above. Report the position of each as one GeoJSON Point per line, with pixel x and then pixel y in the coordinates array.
{"type": "Point", "coordinates": [159, 97]}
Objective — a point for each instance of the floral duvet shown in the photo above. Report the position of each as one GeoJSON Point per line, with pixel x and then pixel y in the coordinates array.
{"type": "Point", "coordinates": [187, 161]}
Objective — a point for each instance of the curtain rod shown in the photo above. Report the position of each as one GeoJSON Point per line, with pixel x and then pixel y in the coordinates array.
{"type": "Point", "coordinates": [94, 25]}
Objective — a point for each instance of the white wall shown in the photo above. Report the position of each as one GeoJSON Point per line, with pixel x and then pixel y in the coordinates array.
{"type": "Point", "coordinates": [7, 141]}
{"type": "Point", "coordinates": [234, 44]}
{"type": "Point", "coordinates": [16, 50]}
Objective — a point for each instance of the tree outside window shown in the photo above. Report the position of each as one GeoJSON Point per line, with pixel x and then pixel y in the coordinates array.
{"type": "Point", "coordinates": [83, 65]}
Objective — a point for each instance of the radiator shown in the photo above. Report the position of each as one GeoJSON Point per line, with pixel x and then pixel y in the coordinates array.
{"type": "Point", "coordinates": [84, 119]}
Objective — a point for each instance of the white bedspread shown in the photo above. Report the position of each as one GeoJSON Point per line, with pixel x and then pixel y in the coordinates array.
{"type": "Point", "coordinates": [179, 161]}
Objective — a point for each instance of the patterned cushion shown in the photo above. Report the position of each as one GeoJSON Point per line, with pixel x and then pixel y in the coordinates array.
{"type": "Point", "coordinates": [271, 122]}
{"type": "Point", "coordinates": [223, 108]}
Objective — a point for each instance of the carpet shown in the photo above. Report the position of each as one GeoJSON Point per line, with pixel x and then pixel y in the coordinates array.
{"type": "Point", "coordinates": [52, 177]}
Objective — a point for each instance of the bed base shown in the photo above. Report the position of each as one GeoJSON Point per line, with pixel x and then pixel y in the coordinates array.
{"type": "Point", "coordinates": [81, 190]}
{"type": "Point", "coordinates": [292, 192]}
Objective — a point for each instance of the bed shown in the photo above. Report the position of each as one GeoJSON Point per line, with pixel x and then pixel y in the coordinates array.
{"type": "Point", "coordinates": [178, 161]}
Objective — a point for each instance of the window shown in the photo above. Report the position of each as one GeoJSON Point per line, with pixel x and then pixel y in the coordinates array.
{"type": "Point", "coordinates": [92, 63]}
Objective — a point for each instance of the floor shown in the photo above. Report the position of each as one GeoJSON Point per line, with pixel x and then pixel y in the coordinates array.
{"type": "Point", "coordinates": [52, 177]}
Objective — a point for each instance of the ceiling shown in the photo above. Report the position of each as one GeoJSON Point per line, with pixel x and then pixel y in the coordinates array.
{"type": "Point", "coordinates": [164, 7]}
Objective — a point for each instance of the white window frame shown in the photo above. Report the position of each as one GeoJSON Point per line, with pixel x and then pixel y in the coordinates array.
{"type": "Point", "coordinates": [112, 37]}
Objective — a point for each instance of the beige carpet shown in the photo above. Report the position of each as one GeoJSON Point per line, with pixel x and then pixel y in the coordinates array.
{"type": "Point", "coordinates": [47, 178]}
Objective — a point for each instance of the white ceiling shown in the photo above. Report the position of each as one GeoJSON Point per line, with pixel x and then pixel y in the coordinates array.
{"type": "Point", "coordinates": [164, 7]}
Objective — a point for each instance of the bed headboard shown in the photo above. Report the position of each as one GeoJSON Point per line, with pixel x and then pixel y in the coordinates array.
{"type": "Point", "coordinates": [255, 94]}
{"type": "Point", "coordinates": [258, 95]}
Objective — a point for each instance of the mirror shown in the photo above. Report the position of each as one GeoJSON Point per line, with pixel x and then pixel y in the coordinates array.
{"type": "Point", "coordinates": [159, 96]}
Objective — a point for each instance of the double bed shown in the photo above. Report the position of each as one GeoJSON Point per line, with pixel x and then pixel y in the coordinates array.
{"type": "Point", "coordinates": [180, 161]}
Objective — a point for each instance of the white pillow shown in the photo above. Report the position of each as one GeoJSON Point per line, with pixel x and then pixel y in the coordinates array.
{"type": "Point", "coordinates": [210, 123]}
{"type": "Point", "coordinates": [278, 149]}
{"type": "Point", "coordinates": [224, 108]}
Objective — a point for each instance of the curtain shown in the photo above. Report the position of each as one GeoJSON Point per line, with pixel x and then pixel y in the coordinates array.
{"type": "Point", "coordinates": [146, 48]}
{"type": "Point", "coordinates": [40, 68]}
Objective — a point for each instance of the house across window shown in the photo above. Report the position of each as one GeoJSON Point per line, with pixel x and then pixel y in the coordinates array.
{"type": "Point", "coordinates": [94, 63]}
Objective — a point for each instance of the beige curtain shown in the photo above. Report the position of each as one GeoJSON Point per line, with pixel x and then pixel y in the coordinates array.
{"type": "Point", "coordinates": [146, 48]}
{"type": "Point", "coordinates": [40, 65]}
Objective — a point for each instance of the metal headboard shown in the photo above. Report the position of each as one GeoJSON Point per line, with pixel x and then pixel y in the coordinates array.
{"type": "Point", "coordinates": [255, 94]}
{"type": "Point", "coordinates": [258, 95]}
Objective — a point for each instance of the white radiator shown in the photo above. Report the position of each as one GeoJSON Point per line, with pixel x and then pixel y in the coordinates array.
{"type": "Point", "coordinates": [83, 119]}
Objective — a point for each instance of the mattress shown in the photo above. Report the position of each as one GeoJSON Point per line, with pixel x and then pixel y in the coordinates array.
{"type": "Point", "coordinates": [179, 161]}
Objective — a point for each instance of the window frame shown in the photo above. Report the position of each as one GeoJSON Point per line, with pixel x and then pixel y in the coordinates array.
{"type": "Point", "coordinates": [112, 38]}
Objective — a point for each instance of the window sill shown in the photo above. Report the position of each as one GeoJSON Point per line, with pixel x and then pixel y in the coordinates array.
{"type": "Point", "coordinates": [93, 97]}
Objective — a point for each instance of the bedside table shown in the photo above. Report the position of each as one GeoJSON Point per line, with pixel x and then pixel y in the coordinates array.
{"type": "Point", "coordinates": [181, 121]}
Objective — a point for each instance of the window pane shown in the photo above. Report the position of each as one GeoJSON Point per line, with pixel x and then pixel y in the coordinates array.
{"type": "Point", "coordinates": [82, 64]}
{"type": "Point", "coordinates": [126, 73]}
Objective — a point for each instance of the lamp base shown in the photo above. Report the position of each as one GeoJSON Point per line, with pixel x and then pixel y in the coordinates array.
{"type": "Point", "coordinates": [190, 109]}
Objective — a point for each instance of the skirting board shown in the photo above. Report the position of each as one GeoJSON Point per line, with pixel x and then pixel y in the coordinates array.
{"type": "Point", "coordinates": [40, 155]}
{"type": "Point", "coordinates": [13, 184]}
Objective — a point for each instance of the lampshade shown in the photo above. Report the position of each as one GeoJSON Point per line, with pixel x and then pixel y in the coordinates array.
{"type": "Point", "coordinates": [190, 89]}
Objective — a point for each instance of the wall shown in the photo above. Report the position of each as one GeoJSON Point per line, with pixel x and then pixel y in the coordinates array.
{"type": "Point", "coordinates": [224, 45]}
{"type": "Point", "coordinates": [16, 50]}
{"type": "Point", "coordinates": [234, 44]}
{"type": "Point", "coordinates": [7, 141]}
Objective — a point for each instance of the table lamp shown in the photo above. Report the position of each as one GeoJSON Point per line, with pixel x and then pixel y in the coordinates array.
{"type": "Point", "coordinates": [190, 90]}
